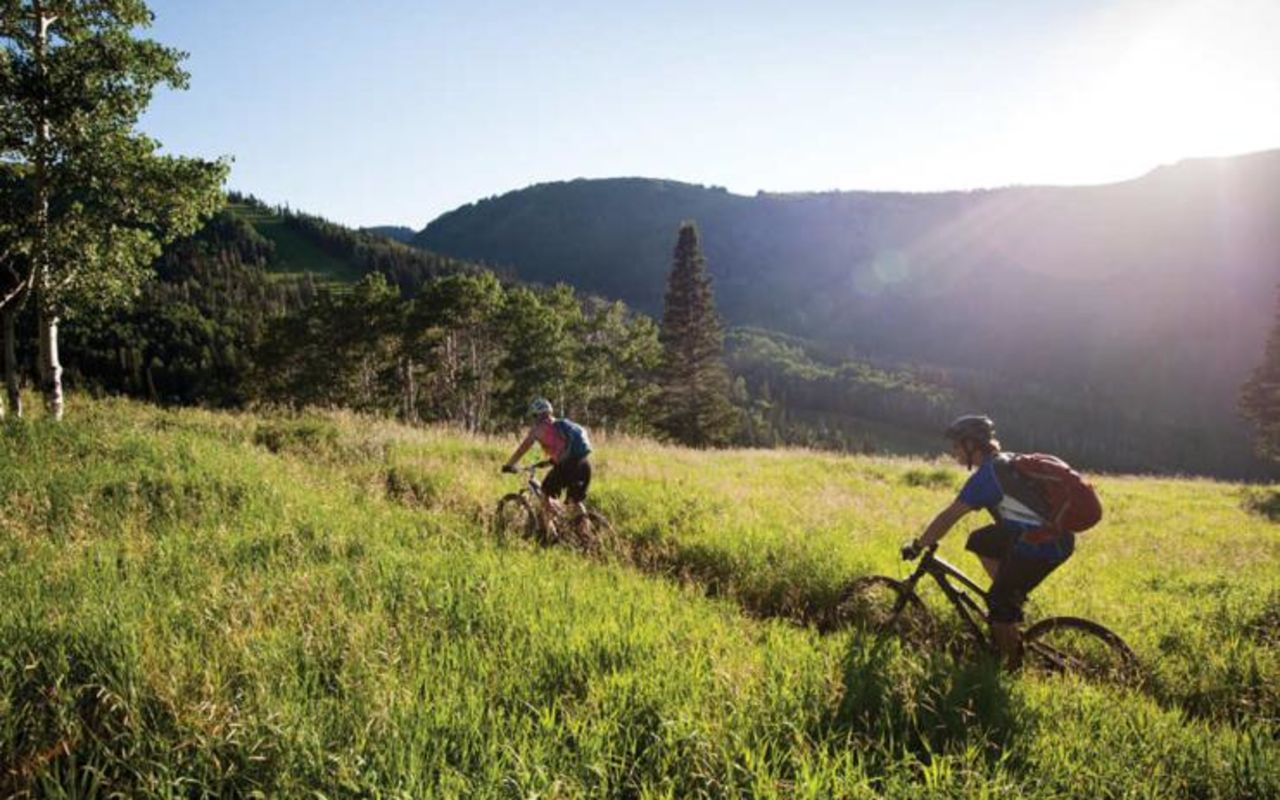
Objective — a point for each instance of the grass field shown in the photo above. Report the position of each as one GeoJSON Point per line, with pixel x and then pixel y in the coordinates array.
{"type": "Point", "coordinates": [295, 253]}
{"type": "Point", "coordinates": [197, 604]}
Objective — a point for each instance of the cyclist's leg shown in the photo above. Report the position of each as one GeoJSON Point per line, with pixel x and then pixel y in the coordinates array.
{"type": "Point", "coordinates": [552, 486]}
{"type": "Point", "coordinates": [578, 481]}
{"type": "Point", "coordinates": [1008, 641]}
{"type": "Point", "coordinates": [578, 478]}
{"type": "Point", "coordinates": [991, 544]}
{"type": "Point", "coordinates": [1017, 575]}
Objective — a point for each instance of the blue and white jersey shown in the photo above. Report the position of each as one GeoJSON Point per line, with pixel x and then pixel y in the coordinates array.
{"type": "Point", "coordinates": [982, 490]}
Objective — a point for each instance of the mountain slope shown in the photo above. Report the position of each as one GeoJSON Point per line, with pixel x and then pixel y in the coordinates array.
{"type": "Point", "coordinates": [1151, 296]}
{"type": "Point", "coordinates": [307, 244]}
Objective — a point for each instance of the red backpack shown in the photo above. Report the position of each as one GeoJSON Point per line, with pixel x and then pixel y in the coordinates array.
{"type": "Point", "coordinates": [1050, 487]}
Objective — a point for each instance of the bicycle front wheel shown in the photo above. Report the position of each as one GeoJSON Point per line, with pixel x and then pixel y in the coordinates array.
{"type": "Point", "coordinates": [514, 519]}
{"type": "Point", "coordinates": [1079, 647]}
{"type": "Point", "coordinates": [881, 605]}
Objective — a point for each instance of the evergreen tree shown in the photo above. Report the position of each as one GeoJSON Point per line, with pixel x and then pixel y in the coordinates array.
{"type": "Point", "coordinates": [1260, 398]}
{"type": "Point", "coordinates": [695, 408]}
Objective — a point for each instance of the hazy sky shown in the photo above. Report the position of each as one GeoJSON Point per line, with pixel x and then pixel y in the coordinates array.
{"type": "Point", "coordinates": [394, 111]}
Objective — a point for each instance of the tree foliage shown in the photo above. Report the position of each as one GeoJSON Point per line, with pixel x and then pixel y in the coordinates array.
{"type": "Point", "coordinates": [465, 350]}
{"type": "Point", "coordinates": [74, 79]}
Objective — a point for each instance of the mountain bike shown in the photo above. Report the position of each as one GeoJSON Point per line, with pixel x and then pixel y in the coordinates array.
{"type": "Point", "coordinates": [1073, 645]}
{"type": "Point", "coordinates": [523, 514]}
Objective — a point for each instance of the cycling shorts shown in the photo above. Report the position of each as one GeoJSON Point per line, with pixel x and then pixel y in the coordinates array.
{"type": "Point", "coordinates": [573, 474]}
{"type": "Point", "coordinates": [1018, 574]}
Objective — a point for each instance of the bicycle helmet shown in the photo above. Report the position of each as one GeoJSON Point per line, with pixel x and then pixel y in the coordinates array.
{"type": "Point", "coordinates": [539, 406]}
{"type": "Point", "coordinates": [972, 427]}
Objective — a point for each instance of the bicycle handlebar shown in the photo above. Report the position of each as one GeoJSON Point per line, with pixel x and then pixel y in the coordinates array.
{"type": "Point", "coordinates": [530, 468]}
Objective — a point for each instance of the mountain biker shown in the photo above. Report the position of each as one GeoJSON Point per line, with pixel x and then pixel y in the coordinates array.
{"type": "Point", "coordinates": [1018, 551]}
{"type": "Point", "coordinates": [571, 468]}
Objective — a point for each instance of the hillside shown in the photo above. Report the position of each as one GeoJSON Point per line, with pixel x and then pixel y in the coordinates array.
{"type": "Point", "coordinates": [1142, 304]}
{"type": "Point", "coordinates": [194, 333]}
{"type": "Point", "coordinates": [220, 605]}
{"type": "Point", "coordinates": [295, 252]}
{"type": "Point", "coordinates": [330, 252]}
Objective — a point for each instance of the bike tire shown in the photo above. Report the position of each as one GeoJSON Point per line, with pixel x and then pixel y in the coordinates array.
{"type": "Point", "coordinates": [1080, 647]}
{"type": "Point", "coordinates": [883, 606]}
{"type": "Point", "coordinates": [592, 533]}
{"type": "Point", "coordinates": [514, 519]}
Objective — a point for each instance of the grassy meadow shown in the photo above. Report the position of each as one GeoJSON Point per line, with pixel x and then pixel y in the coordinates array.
{"type": "Point", "coordinates": [231, 605]}
{"type": "Point", "coordinates": [295, 253]}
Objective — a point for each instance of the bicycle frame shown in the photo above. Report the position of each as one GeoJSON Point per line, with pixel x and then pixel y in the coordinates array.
{"type": "Point", "coordinates": [961, 597]}
{"type": "Point", "coordinates": [534, 487]}
{"type": "Point", "coordinates": [532, 484]}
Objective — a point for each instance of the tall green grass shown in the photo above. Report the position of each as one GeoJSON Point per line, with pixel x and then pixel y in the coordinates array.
{"type": "Point", "coordinates": [194, 604]}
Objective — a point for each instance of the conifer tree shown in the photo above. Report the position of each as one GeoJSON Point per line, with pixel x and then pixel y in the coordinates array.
{"type": "Point", "coordinates": [695, 408]}
{"type": "Point", "coordinates": [1260, 398]}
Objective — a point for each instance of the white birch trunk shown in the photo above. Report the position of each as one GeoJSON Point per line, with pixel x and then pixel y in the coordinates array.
{"type": "Point", "coordinates": [50, 365]}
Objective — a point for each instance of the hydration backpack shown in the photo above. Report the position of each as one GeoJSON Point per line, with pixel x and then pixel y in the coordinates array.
{"type": "Point", "coordinates": [1050, 487]}
{"type": "Point", "coordinates": [576, 436]}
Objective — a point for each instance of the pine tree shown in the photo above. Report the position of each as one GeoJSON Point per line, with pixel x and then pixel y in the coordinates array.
{"type": "Point", "coordinates": [1260, 398]}
{"type": "Point", "coordinates": [695, 408]}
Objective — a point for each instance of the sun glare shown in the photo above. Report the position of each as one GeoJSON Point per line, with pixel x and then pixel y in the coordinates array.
{"type": "Point", "coordinates": [1154, 82]}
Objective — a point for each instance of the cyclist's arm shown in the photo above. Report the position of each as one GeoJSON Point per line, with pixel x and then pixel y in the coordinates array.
{"type": "Point", "coordinates": [942, 523]}
{"type": "Point", "coordinates": [521, 450]}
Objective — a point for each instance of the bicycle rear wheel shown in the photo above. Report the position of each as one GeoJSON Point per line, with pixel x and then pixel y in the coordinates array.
{"type": "Point", "coordinates": [592, 533]}
{"type": "Point", "coordinates": [514, 519]}
{"type": "Point", "coordinates": [882, 605]}
{"type": "Point", "coordinates": [1079, 647]}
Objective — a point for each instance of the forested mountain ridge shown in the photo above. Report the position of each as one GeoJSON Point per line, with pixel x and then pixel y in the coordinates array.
{"type": "Point", "coordinates": [1141, 304]}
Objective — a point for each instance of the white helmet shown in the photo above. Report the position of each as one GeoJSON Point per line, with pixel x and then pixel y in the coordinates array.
{"type": "Point", "coordinates": [539, 406]}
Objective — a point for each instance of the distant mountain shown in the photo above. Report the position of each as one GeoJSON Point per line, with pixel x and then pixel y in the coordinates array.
{"type": "Point", "coordinates": [1147, 300]}
{"type": "Point", "coordinates": [399, 233]}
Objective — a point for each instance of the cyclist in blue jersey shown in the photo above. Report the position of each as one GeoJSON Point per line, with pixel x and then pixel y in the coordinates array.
{"type": "Point", "coordinates": [1018, 550]}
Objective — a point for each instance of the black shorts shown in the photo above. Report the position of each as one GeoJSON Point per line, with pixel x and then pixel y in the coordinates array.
{"type": "Point", "coordinates": [1017, 576]}
{"type": "Point", "coordinates": [574, 475]}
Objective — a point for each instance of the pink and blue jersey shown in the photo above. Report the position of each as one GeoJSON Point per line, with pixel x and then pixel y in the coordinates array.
{"type": "Point", "coordinates": [552, 440]}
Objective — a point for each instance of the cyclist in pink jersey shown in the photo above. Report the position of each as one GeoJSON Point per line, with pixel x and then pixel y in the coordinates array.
{"type": "Point", "coordinates": [571, 468]}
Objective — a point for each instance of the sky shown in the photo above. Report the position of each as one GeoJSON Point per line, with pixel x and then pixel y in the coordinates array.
{"type": "Point", "coordinates": [396, 111]}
